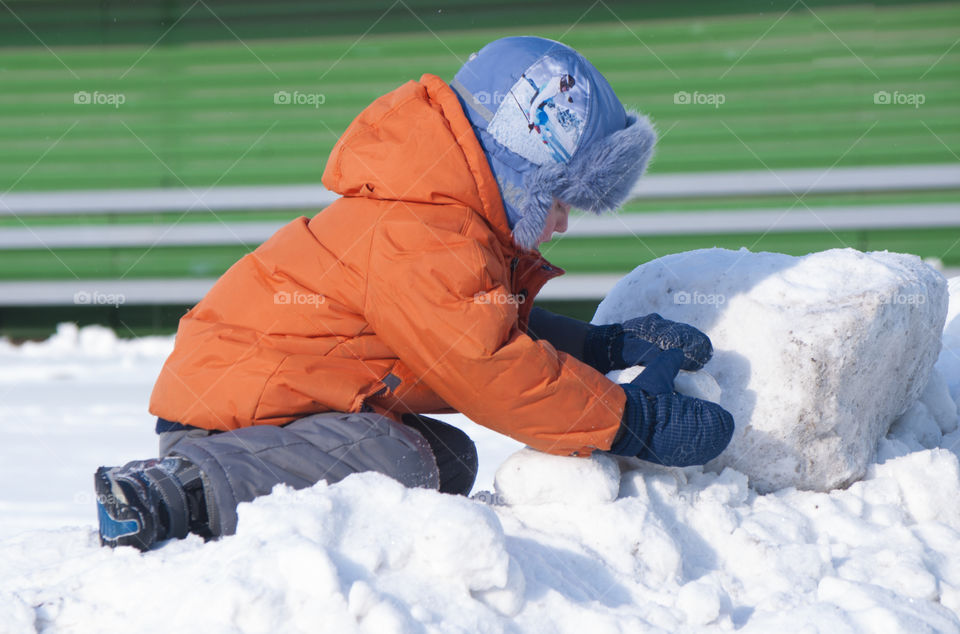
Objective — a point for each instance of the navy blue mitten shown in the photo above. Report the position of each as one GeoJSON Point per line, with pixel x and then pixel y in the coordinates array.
{"type": "Point", "coordinates": [666, 335]}
{"type": "Point", "coordinates": [637, 341]}
{"type": "Point", "coordinates": [667, 428]}
{"type": "Point", "coordinates": [604, 349]}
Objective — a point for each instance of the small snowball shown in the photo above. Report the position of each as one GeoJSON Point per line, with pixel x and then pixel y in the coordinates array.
{"type": "Point", "coordinates": [533, 477]}
{"type": "Point", "coordinates": [699, 384]}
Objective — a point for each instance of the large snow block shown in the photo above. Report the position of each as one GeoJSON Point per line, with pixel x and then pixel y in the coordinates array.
{"type": "Point", "coordinates": [816, 356]}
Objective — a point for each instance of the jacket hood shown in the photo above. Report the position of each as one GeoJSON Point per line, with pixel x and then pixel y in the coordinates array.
{"type": "Point", "coordinates": [416, 145]}
{"type": "Point", "coordinates": [551, 127]}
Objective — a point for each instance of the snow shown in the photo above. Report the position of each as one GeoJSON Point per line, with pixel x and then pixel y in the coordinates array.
{"type": "Point", "coordinates": [815, 356]}
{"type": "Point", "coordinates": [563, 544]}
{"type": "Point", "coordinates": [949, 362]}
{"type": "Point", "coordinates": [74, 401]}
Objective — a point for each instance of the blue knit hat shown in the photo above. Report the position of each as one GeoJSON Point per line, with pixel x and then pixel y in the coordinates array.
{"type": "Point", "coordinates": [551, 127]}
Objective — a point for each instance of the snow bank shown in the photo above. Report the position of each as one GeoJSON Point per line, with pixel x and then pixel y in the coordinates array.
{"type": "Point", "coordinates": [78, 353]}
{"type": "Point", "coordinates": [816, 356]}
{"type": "Point", "coordinates": [592, 545]}
{"type": "Point", "coordinates": [366, 554]}
{"type": "Point", "coordinates": [675, 550]}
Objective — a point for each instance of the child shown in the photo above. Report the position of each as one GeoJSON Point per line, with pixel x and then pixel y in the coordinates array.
{"type": "Point", "coordinates": [316, 355]}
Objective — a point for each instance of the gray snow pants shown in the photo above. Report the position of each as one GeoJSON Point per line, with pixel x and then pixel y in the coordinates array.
{"type": "Point", "coordinates": [240, 465]}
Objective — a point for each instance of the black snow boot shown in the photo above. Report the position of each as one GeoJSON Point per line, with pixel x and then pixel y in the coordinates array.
{"type": "Point", "coordinates": [147, 501]}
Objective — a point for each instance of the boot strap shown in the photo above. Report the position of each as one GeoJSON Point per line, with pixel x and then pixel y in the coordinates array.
{"type": "Point", "coordinates": [174, 498]}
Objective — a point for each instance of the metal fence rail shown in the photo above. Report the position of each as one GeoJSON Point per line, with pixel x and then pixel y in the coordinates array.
{"type": "Point", "coordinates": [179, 291]}
{"type": "Point", "coordinates": [309, 198]}
{"type": "Point", "coordinates": [253, 233]}
{"type": "Point", "coordinates": [795, 216]}
{"type": "Point", "coordinates": [696, 185]}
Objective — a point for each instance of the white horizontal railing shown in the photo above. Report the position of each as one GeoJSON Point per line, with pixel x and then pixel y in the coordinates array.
{"type": "Point", "coordinates": [798, 218]}
{"type": "Point", "coordinates": [189, 291]}
{"type": "Point", "coordinates": [795, 216]}
{"type": "Point", "coordinates": [170, 235]}
{"type": "Point", "coordinates": [140, 201]}
{"type": "Point", "coordinates": [104, 292]}
{"type": "Point", "coordinates": [313, 197]}
{"type": "Point", "coordinates": [800, 181]}
{"type": "Point", "coordinates": [641, 224]}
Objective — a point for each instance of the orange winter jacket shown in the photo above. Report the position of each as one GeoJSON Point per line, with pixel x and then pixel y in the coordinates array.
{"type": "Point", "coordinates": [405, 295]}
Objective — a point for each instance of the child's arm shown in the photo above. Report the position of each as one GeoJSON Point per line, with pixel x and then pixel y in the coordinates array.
{"type": "Point", "coordinates": [422, 303]}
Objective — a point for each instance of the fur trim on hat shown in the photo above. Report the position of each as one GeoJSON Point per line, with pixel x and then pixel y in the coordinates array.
{"type": "Point", "coordinates": [598, 178]}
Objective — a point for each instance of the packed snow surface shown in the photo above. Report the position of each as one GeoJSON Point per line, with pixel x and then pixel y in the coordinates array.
{"type": "Point", "coordinates": [816, 356]}
{"type": "Point", "coordinates": [561, 544]}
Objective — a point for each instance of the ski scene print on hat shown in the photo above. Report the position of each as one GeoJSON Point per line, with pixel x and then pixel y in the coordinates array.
{"type": "Point", "coordinates": [551, 128]}
{"type": "Point", "coordinates": [544, 114]}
